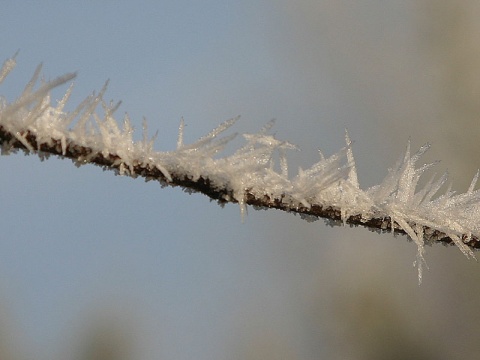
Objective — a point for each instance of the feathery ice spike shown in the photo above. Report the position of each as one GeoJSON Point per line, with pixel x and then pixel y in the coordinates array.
{"type": "Point", "coordinates": [329, 189]}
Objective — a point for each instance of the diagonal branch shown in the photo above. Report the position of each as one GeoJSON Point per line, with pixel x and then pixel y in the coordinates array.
{"type": "Point", "coordinates": [204, 185]}
{"type": "Point", "coordinates": [329, 189]}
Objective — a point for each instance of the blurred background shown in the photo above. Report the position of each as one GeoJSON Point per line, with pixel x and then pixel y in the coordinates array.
{"type": "Point", "coordinates": [99, 267]}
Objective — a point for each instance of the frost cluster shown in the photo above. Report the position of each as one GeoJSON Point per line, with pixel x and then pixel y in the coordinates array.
{"type": "Point", "coordinates": [329, 188]}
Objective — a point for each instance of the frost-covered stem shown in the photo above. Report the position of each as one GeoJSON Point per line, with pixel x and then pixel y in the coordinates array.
{"type": "Point", "coordinates": [79, 154]}
{"type": "Point", "coordinates": [329, 189]}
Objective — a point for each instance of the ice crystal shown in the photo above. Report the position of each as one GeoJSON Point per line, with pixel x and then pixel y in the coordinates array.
{"type": "Point", "coordinates": [328, 189]}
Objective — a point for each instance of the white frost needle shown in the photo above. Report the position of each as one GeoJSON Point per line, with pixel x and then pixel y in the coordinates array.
{"type": "Point", "coordinates": [329, 189]}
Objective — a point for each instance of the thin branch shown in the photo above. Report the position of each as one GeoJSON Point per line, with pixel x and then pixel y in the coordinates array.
{"type": "Point", "coordinates": [203, 185]}
{"type": "Point", "coordinates": [329, 189]}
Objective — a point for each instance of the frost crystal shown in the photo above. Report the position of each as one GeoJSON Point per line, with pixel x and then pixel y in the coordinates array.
{"type": "Point", "coordinates": [328, 189]}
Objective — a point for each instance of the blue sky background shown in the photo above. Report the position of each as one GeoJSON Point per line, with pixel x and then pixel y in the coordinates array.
{"type": "Point", "coordinates": [177, 275]}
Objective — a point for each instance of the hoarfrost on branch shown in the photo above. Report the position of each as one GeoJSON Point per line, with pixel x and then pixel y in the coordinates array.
{"type": "Point", "coordinates": [328, 189]}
